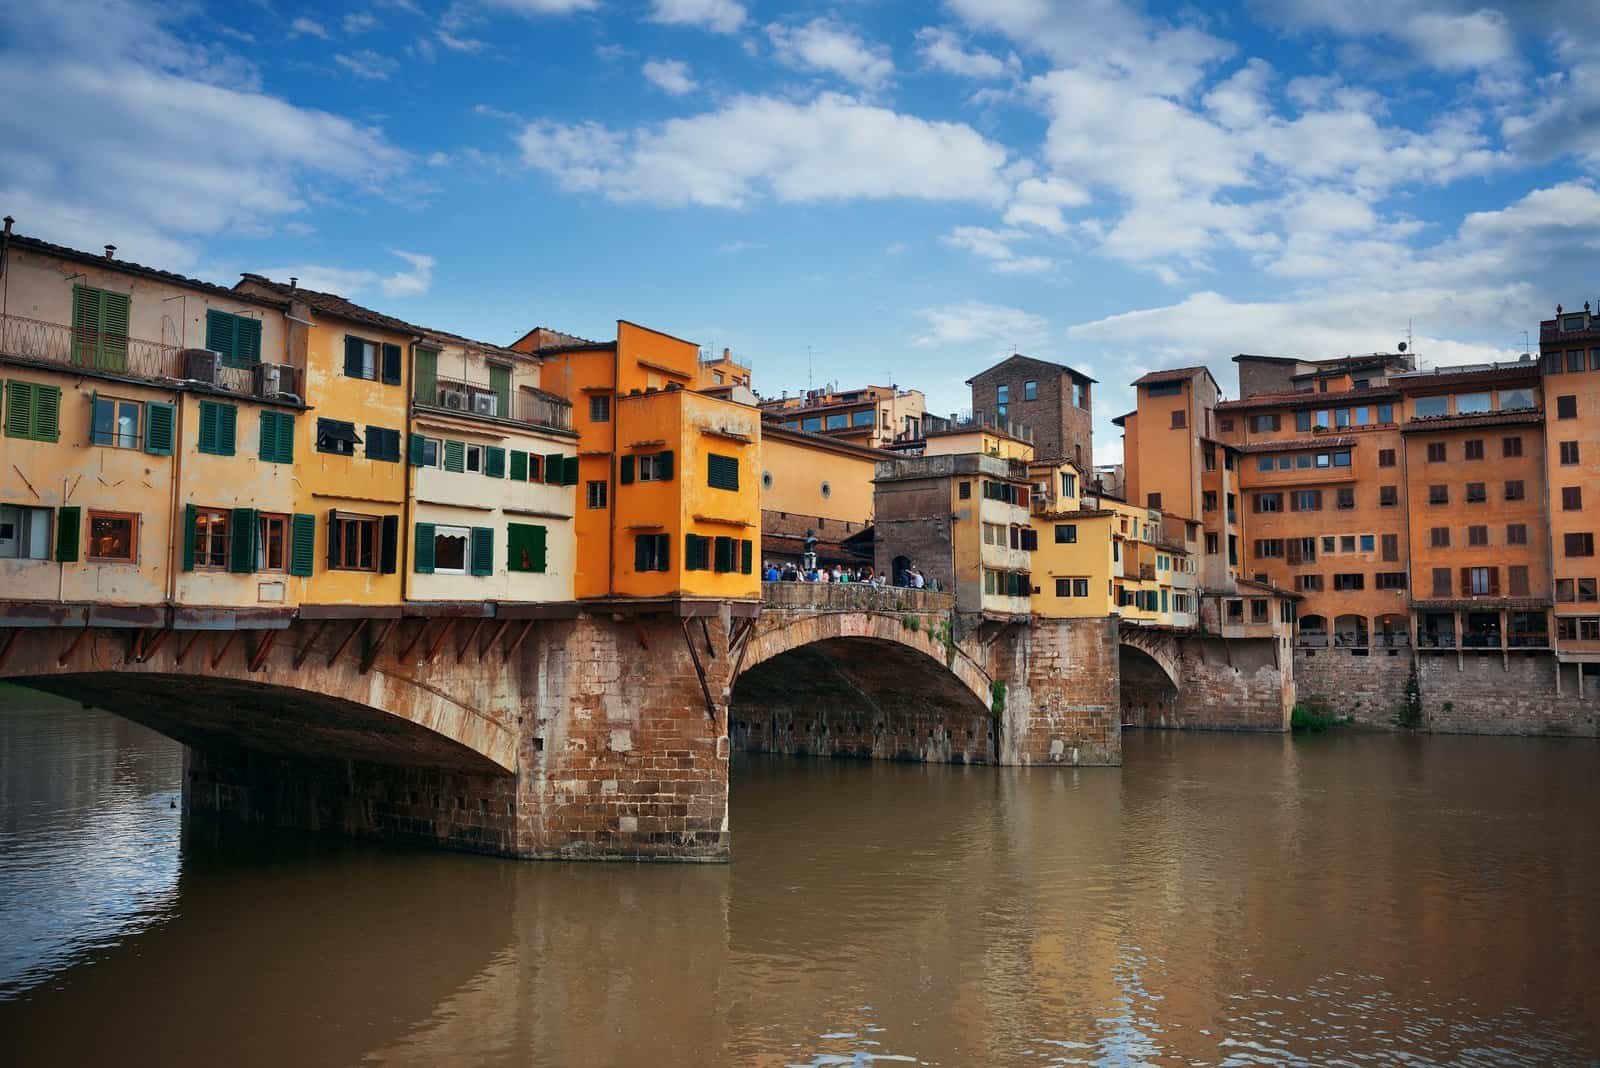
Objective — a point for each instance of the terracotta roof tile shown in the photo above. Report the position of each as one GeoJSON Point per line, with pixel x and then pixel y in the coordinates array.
{"type": "Point", "coordinates": [33, 244]}
{"type": "Point", "coordinates": [1174, 374]}
{"type": "Point", "coordinates": [1298, 444]}
{"type": "Point", "coordinates": [1428, 424]}
{"type": "Point", "coordinates": [1309, 399]}
{"type": "Point", "coordinates": [333, 304]}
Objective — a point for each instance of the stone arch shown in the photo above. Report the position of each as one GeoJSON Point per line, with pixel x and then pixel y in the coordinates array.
{"type": "Point", "coordinates": [1158, 649]}
{"type": "Point", "coordinates": [1148, 680]}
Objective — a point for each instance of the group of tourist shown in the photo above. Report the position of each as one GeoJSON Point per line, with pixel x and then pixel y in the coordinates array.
{"type": "Point", "coordinates": [910, 578]}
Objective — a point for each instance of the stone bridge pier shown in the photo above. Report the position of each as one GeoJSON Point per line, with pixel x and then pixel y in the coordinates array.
{"type": "Point", "coordinates": [1177, 679]}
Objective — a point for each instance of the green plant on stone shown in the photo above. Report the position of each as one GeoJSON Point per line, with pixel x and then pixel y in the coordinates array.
{"type": "Point", "coordinates": [910, 622]}
{"type": "Point", "coordinates": [1313, 714]}
{"type": "Point", "coordinates": [997, 696]}
{"type": "Point", "coordinates": [1410, 715]}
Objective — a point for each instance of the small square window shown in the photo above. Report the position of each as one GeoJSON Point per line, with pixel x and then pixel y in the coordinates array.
{"type": "Point", "coordinates": [116, 422]}
{"type": "Point", "coordinates": [600, 408]}
{"type": "Point", "coordinates": [113, 537]}
{"type": "Point", "coordinates": [595, 493]}
{"type": "Point", "coordinates": [1030, 391]}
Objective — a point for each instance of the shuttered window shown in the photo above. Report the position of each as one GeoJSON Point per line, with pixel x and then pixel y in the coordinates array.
{"type": "Point", "coordinates": [160, 426]}
{"type": "Point", "coordinates": [100, 328]}
{"type": "Point", "coordinates": [422, 554]}
{"type": "Point", "coordinates": [696, 552]}
{"type": "Point", "coordinates": [527, 548]}
{"type": "Point", "coordinates": [32, 411]}
{"type": "Point", "coordinates": [747, 557]}
{"type": "Point", "coordinates": [277, 437]}
{"type": "Point", "coordinates": [519, 466]}
{"type": "Point", "coordinates": [237, 337]}
{"type": "Point", "coordinates": [69, 523]}
{"type": "Point", "coordinates": [425, 377]}
{"type": "Point", "coordinates": [724, 558]}
{"type": "Point", "coordinates": [494, 461]}
{"type": "Point", "coordinates": [218, 428]}
{"type": "Point", "coordinates": [455, 456]}
{"type": "Point", "coordinates": [242, 547]}
{"type": "Point", "coordinates": [500, 386]}
{"type": "Point", "coordinates": [722, 472]}
{"type": "Point", "coordinates": [652, 552]}
{"type": "Point", "coordinates": [383, 444]}
{"type": "Point", "coordinates": [303, 545]}
{"type": "Point", "coordinates": [569, 471]}
{"type": "Point", "coordinates": [391, 365]}
{"type": "Point", "coordinates": [482, 551]}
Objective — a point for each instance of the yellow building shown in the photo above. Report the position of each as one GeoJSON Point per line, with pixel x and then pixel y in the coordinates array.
{"type": "Point", "coordinates": [668, 503]}
{"type": "Point", "coordinates": [348, 456]}
{"type": "Point", "coordinates": [724, 377]}
{"type": "Point", "coordinates": [819, 484]}
{"type": "Point", "coordinates": [978, 438]}
{"type": "Point", "coordinates": [139, 463]}
{"type": "Point", "coordinates": [493, 462]}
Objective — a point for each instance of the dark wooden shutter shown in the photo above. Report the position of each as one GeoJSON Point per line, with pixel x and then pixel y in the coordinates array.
{"type": "Point", "coordinates": [207, 441]}
{"type": "Point", "coordinates": [425, 377]}
{"type": "Point", "coordinates": [663, 552]}
{"type": "Point", "coordinates": [625, 471]}
{"type": "Point", "coordinates": [642, 544]}
{"type": "Point", "coordinates": [333, 538]}
{"type": "Point", "coordinates": [1494, 582]}
{"type": "Point", "coordinates": [19, 409]}
{"type": "Point", "coordinates": [159, 423]}
{"type": "Point", "coordinates": [722, 472]}
{"type": "Point", "coordinates": [391, 365]}
{"type": "Point", "coordinates": [353, 352]}
{"type": "Point", "coordinates": [526, 547]}
{"type": "Point", "coordinates": [500, 386]}
{"type": "Point", "coordinates": [482, 551]}
{"type": "Point", "coordinates": [664, 466]}
{"type": "Point", "coordinates": [220, 334]}
{"type": "Point", "coordinates": [47, 413]}
{"type": "Point", "coordinates": [691, 552]}
{"type": "Point", "coordinates": [455, 456]}
{"type": "Point", "coordinates": [519, 466]}
{"type": "Point", "coordinates": [553, 468]}
{"type": "Point", "coordinates": [389, 544]}
{"type": "Point", "coordinates": [302, 544]}
{"type": "Point", "coordinates": [419, 450]}
{"type": "Point", "coordinates": [242, 541]}
{"type": "Point", "coordinates": [1466, 582]}
{"type": "Point", "coordinates": [189, 514]}
{"type": "Point", "coordinates": [268, 450]}
{"type": "Point", "coordinates": [747, 556]}
{"type": "Point", "coordinates": [227, 429]}
{"type": "Point", "coordinates": [494, 461]}
{"type": "Point", "coordinates": [569, 471]}
{"type": "Point", "coordinates": [69, 521]}
{"type": "Point", "coordinates": [724, 555]}
{"type": "Point", "coordinates": [422, 553]}
{"type": "Point", "coordinates": [247, 340]}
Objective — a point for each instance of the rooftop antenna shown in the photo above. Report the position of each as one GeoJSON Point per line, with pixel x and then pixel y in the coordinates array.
{"type": "Point", "coordinates": [1525, 346]}
{"type": "Point", "coordinates": [808, 367]}
{"type": "Point", "coordinates": [1410, 341]}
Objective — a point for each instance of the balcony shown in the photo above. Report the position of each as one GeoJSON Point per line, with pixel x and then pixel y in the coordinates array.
{"type": "Point", "coordinates": [57, 344]}
{"type": "Point", "coordinates": [464, 397]}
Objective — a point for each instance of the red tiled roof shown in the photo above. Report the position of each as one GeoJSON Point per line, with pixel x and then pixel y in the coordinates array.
{"type": "Point", "coordinates": [1298, 444]}
{"type": "Point", "coordinates": [1443, 379]}
{"type": "Point", "coordinates": [1433, 423]}
{"type": "Point", "coordinates": [33, 244]}
{"type": "Point", "coordinates": [1174, 374]}
{"type": "Point", "coordinates": [333, 304]}
{"type": "Point", "coordinates": [1309, 398]}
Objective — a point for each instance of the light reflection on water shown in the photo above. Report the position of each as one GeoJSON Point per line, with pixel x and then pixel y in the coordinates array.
{"type": "Point", "coordinates": [1221, 900]}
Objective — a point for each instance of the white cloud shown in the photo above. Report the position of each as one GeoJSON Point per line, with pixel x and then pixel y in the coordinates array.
{"type": "Point", "coordinates": [670, 76]}
{"type": "Point", "coordinates": [307, 27]}
{"type": "Point", "coordinates": [832, 148]}
{"type": "Point", "coordinates": [719, 16]}
{"type": "Point", "coordinates": [355, 281]}
{"type": "Point", "coordinates": [995, 247]}
{"type": "Point", "coordinates": [1474, 39]}
{"type": "Point", "coordinates": [943, 50]}
{"type": "Point", "coordinates": [1038, 202]}
{"type": "Point", "coordinates": [367, 65]}
{"type": "Point", "coordinates": [826, 46]}
{"type": "Point", "coordinates": [144, 169]}
{"type": "Point", "coordinates": [542, 7]}
{"type": "Point", "coordinates": [410, 283]}
{"type": "Point", "coordinates": [360, 22]}
{"type": "Point", "coordinates": [975, 323]}
{"type": "Point", "coordinates": [464, 45]}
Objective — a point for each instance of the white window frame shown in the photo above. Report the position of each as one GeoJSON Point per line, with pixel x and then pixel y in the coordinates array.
{"type": "Point", "coordinates": [20, 518]}
{"type": "Point", "coordinates": [465, 534]}
{"type": "Point", "coordinates": [117, 439]}
{"type": "Point", "coordinates": [473, 460]}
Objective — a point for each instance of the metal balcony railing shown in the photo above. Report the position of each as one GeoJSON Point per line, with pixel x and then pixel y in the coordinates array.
{"type": "Point", "coordinates": [464, 396]}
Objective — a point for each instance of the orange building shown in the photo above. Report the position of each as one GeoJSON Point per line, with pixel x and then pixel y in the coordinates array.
{"type": "Point", "coordinates": [668, 503]}
{"type": "Point", "coordinates": [872, 416]}
{"type": "Point", "coordinates": [1569, 346]}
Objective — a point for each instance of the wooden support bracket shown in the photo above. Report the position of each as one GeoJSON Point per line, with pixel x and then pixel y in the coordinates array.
{"type": "Point", "coordinates": [433, 649]}
{"type": "Point", "coordinates": [263, 649]}
{"type": "Point", "coordinates": [305, 648]}
{"type": "Point", "coordinates": [416, 638]}
{"type": "Point", "coordinates": [373, 651]}
{"type": "Point", "coordinates": [638, 630]}
{"type": "Point", "coordinates": [5, 646]}
{"type": "Point", "coordinates": [135, 646]}
{"type": "Point", "coordinates": [493, 638]}
{"type": "Point", "coordinates": [461, 650]}
{"type": "Point", "coordinates": [217, 660]}
{"type": "Point", "coordinates": [361, 625]}
{"type": "Point", "coordinates": [705, 632]}
{"type": "Point", "coordinates": [699, 670]}
{"type": "Point", "coordinates": [194, 636]}
{"type": "Point", "coordinates": [154, 645]}
{"type": "Point", "coordinates": [522, 635]}
{"type": "Point", "coordinates": [61, 661]}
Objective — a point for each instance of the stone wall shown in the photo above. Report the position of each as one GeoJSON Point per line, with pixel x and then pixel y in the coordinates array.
{"type": "Point", "coordinates": [1370, 688]}
{"type": "Point", "coordinates": [1483, 694]}
{"type": "Point", "coordinates": [1234, 685]}
{"type": "Point", "coordinates": [1061, 696]}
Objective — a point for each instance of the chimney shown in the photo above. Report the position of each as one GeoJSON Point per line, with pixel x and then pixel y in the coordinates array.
{"type": "Point", "coordinates": [111, 252]}
{"type": "Point", "coordinates": [9, 221]}
{"type": "Point", "coordinates": [727, 355]}
{"type": "Point", "coordinates": [294, 283]}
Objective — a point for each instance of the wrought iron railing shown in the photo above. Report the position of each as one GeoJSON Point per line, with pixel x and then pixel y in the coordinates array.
{"type": "Point", "coordinates": [519, 406]}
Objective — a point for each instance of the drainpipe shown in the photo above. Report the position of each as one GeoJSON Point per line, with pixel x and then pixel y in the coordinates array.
{"type": "Point", "coordinates": [175, 544]}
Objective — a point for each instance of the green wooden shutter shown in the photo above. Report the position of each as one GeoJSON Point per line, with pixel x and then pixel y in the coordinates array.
{"type": "Point", "coordinates": [527, 547]}
{"type": "Point", "coordinates": [303, 544]}
{"type": "Point", "coordinates": [722, 472]}
{"type": "Point", "coordinates": [85, 325]}
{"type": "Point", "coordinates": [242, 541]}
{"type": "Point", "coordinates": [642, 544]}
{"type": "Point", "coordinates": [553, 468]}
{"type": "Point", "coordinates": [247, 344]}
{"type": "Point", "coordinates": [482, 551]}
{"type": "Point", "coordinates": [422, 555]}
{"type": "Point", "coordinates": [747, 561]}
{"type": "Point", "coordinates": [354, 350]}
{"type": "Point", "coordinates": [159, 423]}
{"type": "Point", "coordinates": [389, 545]}
{"type": "Point", "coordinates": [569, 471]}
{"type": "Point", "coordinates": [693, 553]}
{"type": "Point", "coordinates": [455, 456]}
{"type": "Point", "coordinates": [227, 429]}
{"type": "Point", "coordinates": [494, 461]}
{"type": "Point", "coordinates": [519, 466]}
{"type": "Point", "coordinates": [68, 528]}
{"type": "Point", "coordinates": [333, 537]}
{"type": "Point", "coordinates": [19, 409]}
{"type": "Point", "coordinates": [114, 331]}
{"type": "Point", "coordinates": [269, 437]}
{"type": "Point", "coordinates": [664, 466]}
{"type": "Point", "coordinates": [189, 514]}
{"type": "Point", "coordinates": [419, 450]}
{"type": "Point", "coordinates": [724, 558]}
{"type": "Point", "coordinates": [220, 334]}
{"type": "Point", "coordinates": [625, 471]}
{"type": "Point", "coordinates": [425, 379]}
{"type": "Point", "coordinates": [390, 373]}
{"type": "Point", "coordinates": [663, 552]}
{"type": "Point", "coordinates": [500, 386]}
{"type": "Point", "coordinates": [207, 438]}
{"type": "Point", "coordinates": [47, 413]}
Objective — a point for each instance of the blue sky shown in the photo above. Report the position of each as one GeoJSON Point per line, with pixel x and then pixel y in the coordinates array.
{"type": "Point", "coordinates": [845, 192]}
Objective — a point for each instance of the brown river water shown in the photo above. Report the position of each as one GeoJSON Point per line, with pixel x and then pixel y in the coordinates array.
{"type": "Point", "coordinates": [1354, 899]}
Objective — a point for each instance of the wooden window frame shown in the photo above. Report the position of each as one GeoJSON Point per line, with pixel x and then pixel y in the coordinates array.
{"type": "Point", "coordinates": [358, 521]}
{"type": "Point", "coordinates": [265, 521]}
{"type": "Point", "coordinates": [211, 559]}
{"type": "Point", "coordinates": [137, 443]}
{"type": "Point", "coordinates": [133, 546]}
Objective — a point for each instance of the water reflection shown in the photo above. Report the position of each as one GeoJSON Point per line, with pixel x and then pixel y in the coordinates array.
{"type": "Point", "coordinates": [1220, 900]}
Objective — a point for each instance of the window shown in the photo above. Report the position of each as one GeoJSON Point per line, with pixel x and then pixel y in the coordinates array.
{"type": "Point", "coordinates": [1002, 395]}
{"type": "Point", "coordinates": [1565, 591]}
{"type": "Point", "coordinates": [210, 539]}
{"type": "Point", "coordinates": [1587, 591]}
{"type": "Point", "coordinates": [600, 408]}
{"type": "Point", "coordinates": [1152, 500]}
{"type": "Point", "coordinates": [595, 493]}
{"type": "Point", "coordinates": [1571, 498]}
{"type": "Point", "coordinates": [656, 467]}
{"type": "Point", "coordinates": [1441, 582]}
{"type": "Point", "coordinates": [1072, 587]}
{"type": "Point", "coordinates": [1066, 533]}
{"type": "Point", "coordinates": [272, 542]}
{"type": "Point", "coordinates": [1574, 359]}
{"type": "Point", "coordinates": [1180, 418]}
{"type": "Point", "coordinates": [865, 418]}
{"type": "Point", "coordinates": [353, 542]}
{"type": "Point", "coordinates": [1429, 407]}
{"type": "Point", "coordinates": [1390, 580]}
{"type": "Point", "coordinates": [1515, 490]}
{"type": "Point", "coordinates": [361, 358]}
{"type": "Point", "coordinates": [1439, 537]}
{"type": "Point", "coordinates": [116, 423]}
{"type": "Point", "coordinates": [450, 547]}
{"type": "Point", "coordinates": [1302, 421]}
{"type": "Point", "coordinates": [1578, 544]}
{"type": "Point", "coordinates": [1511, 447]}
{"type": "Point", "coordinates": [722, 472]}
{"type": "Point", "coordinates": [1208, 457]}
{"type": "Point", "coordinates": [1472, 449]}
{"type": "Point", "coordinates": [1386, 458]}
{"type": "Point", "coordinates": [1391, 547]}
{"type": "Point", "coordinates": [337, 437]}
{"type": "Point", "coordinates": [1477, 492]}
{"type": "Point", "coordinates": [1436, 452]}
{"type": "Point", "coordinates": [1567, 407]}
{"type": "Point", "coordinates": [1477, 535]}
{"type": "Point", "coordinates": [1472, 403]}
{"type": "Point", "coordinates": [1211, 544]}
{"type": "Point", "coordinates": [114, 537]}
{"type": "Point", "coordinates": [1030, 391]}
{"type": "Point", "coordinates": [1569, 453]}
{"type": "Point", "coordinates": [32, 411]}
{"type": "Point", "coordinates": [1264, 502]}
{"type": "Point", "coordinates": [100, 328]}
{"type": "Point", "coordinates": [1208, 501]}
{"type": "Point", "coordinates": [277, 438]}
{"type": "Point", "coordinates": [1236, 611]}
{"type": "Point", "coordinates": [474, 459]}
{"type": "Point", "coordinates": [218, 428]}
{"type": "Point", "coordinates": [1368, 543]}
{"type": "Point", "coordinates": [1265, 424]}
{"type": "Point", "coordinates": [1069, 485]}
{"type": "Point", "coordinates": [1552, 363]}
{"type": "Point", "coordinates": [526, 547]}
{"type": "Point", "coordinates": [1329, 542]}
{"type": "Point", "coordinates": [1308, 583]}
{"type": "Point", "coordinates": [1438, 494]}
{"type": "Point", "coordinates": [964, 491]}
{"type": "Point", "coordinates": [237, 337]}
{"type": "Point", "coordinates": [383, 444]}
{"type": "Point", "coordinates": [1516, 534]}
{"type": "Point", "coordinates": [1306, 500]}
{"type": "Point", "coordinates": [811, 423]}
{"type": "Point", "coordinates": [838, 421]}
{"type": "Point", "coordinates": [1517, 580]}
{"type": "Point", "coordinates": [24, 532]}
{"type": "Point", "coordinates": [652, 552]}
{"type": "Point", "coordinates": [425, 452]}
{"type": "Point", "coordinates": [1345, 498]}
{"type": "Point", "coordinates": [1385, 413]}
{"type": "Point", "coordinates": [1388, 496]}
{"type": "Point", "coordinates": [1481, 581]}
{"type": "Point", "coordinates": [1347, 543]}
{"type": "Point", "coordinates": [1258, 610]}
{"type": "Point", "coordinates": [1268, 548]}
